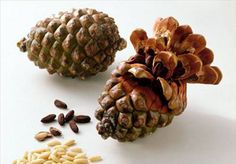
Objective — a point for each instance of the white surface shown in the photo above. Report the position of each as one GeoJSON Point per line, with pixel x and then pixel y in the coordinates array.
{"type": "Point", "coordinates": [205, 133]}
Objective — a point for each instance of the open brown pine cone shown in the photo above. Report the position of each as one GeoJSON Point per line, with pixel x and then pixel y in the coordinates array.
{"type": "Point", "coordinates": [149, 89]}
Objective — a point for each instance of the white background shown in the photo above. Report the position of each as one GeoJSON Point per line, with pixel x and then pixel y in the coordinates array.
{"type": "Point", "coordinates": [204, 133]}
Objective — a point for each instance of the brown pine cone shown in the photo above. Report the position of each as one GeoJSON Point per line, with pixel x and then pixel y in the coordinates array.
{"type": "Point", "coordinates": [149, 89]}
{"type": "Point", "coordinates": [77, 43]}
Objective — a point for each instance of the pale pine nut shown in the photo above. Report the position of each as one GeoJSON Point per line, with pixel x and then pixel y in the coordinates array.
{"type": "Point", "coordinates": [26, 155]}
{"type": "Point", "coordinates": [63, 159]}
{"type": "Point", "coordinates": [33, 157]}
{"type": "Point", "coordinates": [54, 143]}
{"type": "Point", "coordinates": [57, 154]}
{"type": "Point", "coordinates": [95, 158]}
{"type": "Point", "coordinates": [44, 155]}
{"type": "Point", "coordinates": [54, 158]}
{"type": "Point", "coordinates": [60, 150]}
{"type": "Point", "coordinates": [80, 161]}
{"type": "Point", "coordinates": [69, 142]}
{"type": "Point", "coordinates": [60, 153]}
{"type": "Point", "coordinates": [37, 161]}
{"type": "Point", "coordinates": [40, 150]}
{"type": "Point", "coordinates": [61, 146]}
{"type": "Point", "coordinates": [54, 152]}
{"type": "Point", "coordinates": [81, 155]}
{"type": "Point", "coordinates": [29, 156]}
{"type": "Point", "coordinates": [76, 149]}
{"type": "Point", "coordinates": [71, 154]}
{"type": "Point", "coordinates": [67, 162]}
{"type": "Point", "coordinates": [50, 156]}
{"type": "Point", "coordinates": [68, 157]}
{"type": "Point", "coordinates": [18, 161]}
{"type": "Point", "coordinates": [48, 162]}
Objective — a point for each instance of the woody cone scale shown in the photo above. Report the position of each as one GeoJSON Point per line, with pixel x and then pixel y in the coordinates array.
{"type": "Point", "coordinates": [146, 91]}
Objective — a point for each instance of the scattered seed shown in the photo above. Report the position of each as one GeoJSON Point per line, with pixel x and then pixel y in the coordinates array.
{"type": "Point", "coordinates": [38, 161]}
{"type": "Point", "coordinates": [40, 150]}
{"type": "Point", "coordinates": [69, 143]}
{"type": "Point", "coordinates": [49, 118]}
{"type": "Point", "coordinates": [55, 131]}
{"type": "Point", "coordinates": [69, 116]}
{"type": "Point", "coordinates": [25, 155]}
{"type": "Point", "coordinates": [80, 161]}
{"type": "Point", "coordinates": [67, 162]}
{"type": "Point", "coordinates": [71, 154]}
{"type": "Point", "coordinates": [57, 154]}
{"type": "Point", "coordinates": [73, 126]}
{"type": "Point", "coordinates": [54, 158]}
{"type": "Point", "coordinates": [69, 158]}
{"type": "Point", "coordinates": [81, 155]}
{"type": "Point", "coordinates": [60, 104]}
{"type": "Point", "coordinates": [41, 136]}
{"type": "Point", "coordinates": [82, 119]}
{"type": "Point", "coordinates": [61, 119]}
{"type": "Point", "coordinates": [64, 147]}
{"type": "Point", "coordinates": [95, 158]}
{"type": "Point", "coordinates": [44, 155]}
{"type": "Point", "coordinates": [76, 149]}
{"type": "Point", "coordinates": [61, 153]}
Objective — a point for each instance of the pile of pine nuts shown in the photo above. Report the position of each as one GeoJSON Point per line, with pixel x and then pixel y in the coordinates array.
{"type": "Point", "coordinates": [56, 152]}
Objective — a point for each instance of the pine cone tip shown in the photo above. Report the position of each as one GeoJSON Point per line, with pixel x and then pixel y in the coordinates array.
{"type": "Point", "coordinates": [122, 44]}
{"type": "Point", "coordinates": [22, 44]}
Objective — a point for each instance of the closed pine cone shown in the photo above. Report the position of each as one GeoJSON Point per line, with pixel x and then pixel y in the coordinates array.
{"type": "Point", "coordinates": [149, 89]}
{"type": "Point", "coordinates": [77, 43]}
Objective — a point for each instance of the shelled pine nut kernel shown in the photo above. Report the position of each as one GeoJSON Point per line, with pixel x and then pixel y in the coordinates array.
{"type": "Point", "coordinates": [56, 152]}
{"type": "Point", "coordinates": [95, 158]}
